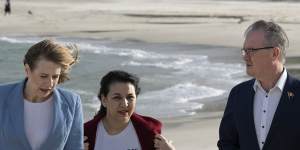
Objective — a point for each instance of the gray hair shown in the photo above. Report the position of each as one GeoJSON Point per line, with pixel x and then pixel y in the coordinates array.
{"type": "Point", "coordinates": [274, 35]}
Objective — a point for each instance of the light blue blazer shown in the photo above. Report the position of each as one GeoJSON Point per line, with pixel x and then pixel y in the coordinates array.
{"type": "Point", "coordinates": [67, 128]}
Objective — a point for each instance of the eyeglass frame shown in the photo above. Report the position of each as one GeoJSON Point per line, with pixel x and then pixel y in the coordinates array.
{"type": "Point", "coordinates": [247, 51]}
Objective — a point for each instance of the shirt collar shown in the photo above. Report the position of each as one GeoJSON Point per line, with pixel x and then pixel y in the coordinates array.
{"type": "Point", "coordinates": [280, 83]}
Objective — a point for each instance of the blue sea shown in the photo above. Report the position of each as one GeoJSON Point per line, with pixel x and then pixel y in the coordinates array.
{"type": "Point", "coordinates": [177, 79]}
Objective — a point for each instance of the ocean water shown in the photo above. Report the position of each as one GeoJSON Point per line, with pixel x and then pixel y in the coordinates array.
{"type": "Point", "coordinates": [176, 79]}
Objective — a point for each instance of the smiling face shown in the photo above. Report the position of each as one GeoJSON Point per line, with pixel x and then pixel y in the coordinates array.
{"type": "Point", "coordinates": [42, 79]}
{"type": "Point", "coordinates": [120, 102]}
{"type": "Point", "coordinates": [257, 62]}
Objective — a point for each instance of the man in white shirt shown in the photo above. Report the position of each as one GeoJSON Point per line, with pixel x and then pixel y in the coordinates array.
{"type": "Point", "coordinates": [263, 113]}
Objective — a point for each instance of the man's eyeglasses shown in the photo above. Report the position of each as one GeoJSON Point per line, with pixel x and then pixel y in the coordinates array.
{"type": "Point", "coordinates": [247, 51]}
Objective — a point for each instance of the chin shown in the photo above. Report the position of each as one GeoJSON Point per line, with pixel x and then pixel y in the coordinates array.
{"type": "Point", "coordinates": [250, 72]}
{"type": "Point", "coordinates": [124, 119]}
{"type": "Point", "coordinates": [46, 95]}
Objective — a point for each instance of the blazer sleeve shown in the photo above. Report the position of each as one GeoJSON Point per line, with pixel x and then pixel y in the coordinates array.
{"type": "Point", "coordinates": [228, 135]}
{"type": "Point", "coordinates": [75, 139]}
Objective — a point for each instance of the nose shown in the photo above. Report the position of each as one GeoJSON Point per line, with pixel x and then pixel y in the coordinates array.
{"type": "Point", "coordinates": [50, 82]}
{"type": "Point", "coordinates": [245, 56]}
{"type": "Point", "coordinates": [124, 102]}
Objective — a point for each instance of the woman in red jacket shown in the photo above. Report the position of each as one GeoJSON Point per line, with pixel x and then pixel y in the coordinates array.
{"type": "Point", "coordinates": [117, 126]}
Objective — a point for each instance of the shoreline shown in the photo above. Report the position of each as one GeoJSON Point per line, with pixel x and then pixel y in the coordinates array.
{"type": "Point", "coordinates": [190, 22]}
{"type": "Point", "coordinates": [193, 132]}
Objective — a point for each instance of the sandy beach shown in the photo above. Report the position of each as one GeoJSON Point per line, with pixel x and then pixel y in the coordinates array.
{"type": "Point", "coordinates": [219, 23]}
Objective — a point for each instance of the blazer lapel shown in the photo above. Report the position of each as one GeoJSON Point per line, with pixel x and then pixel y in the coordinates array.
{"type": "Point", "coordinates": [57, 132]}
{"type": "Point", "coordinates": [250, 104]}
{"type": "Point", "coordinates": [281, 108]}
{"type": "Point", "coordinates": [15, 109]}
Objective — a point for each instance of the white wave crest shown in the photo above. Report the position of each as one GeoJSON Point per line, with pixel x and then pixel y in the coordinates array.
{"type": "Point", "coordinates": [17, 40]}
{"type": "Point", "coordinates": [182, 93]}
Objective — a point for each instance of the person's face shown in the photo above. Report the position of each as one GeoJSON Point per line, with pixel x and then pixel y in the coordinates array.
{"type": "Point", "coordinates": [42, 79]}
{"type": "Point", "coordinates": [257, 62]}
{"type": "Point", "coordinates": [120, 101]}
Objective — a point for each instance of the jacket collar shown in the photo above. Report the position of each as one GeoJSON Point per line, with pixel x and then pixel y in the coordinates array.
{"type": "Point", "coordinates": [15, 107]}
{"type": "Point", "coordinates": [249, 96]}
{"type": "Point", "coordinates": [58, 129]}
{"type": "Point", "coordinates": [279, 84]}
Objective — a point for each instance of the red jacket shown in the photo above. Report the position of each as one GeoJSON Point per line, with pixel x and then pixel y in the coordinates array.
{"type": "Point", "coordinates": [145, 127]}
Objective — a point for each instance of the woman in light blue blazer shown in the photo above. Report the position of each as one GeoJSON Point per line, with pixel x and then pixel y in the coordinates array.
{"type": "Point", "coordinates": [34, 113]}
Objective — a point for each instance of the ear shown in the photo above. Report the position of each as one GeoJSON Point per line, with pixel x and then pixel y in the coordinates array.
{"type": "Point", "coordinates": [103, 101]}
{"type": "Point", "coordinates": [276, 53]}
{"type": "Point", "coordinates": [27, 69]}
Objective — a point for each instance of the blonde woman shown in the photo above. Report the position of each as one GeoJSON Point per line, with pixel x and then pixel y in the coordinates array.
{"type": "Point", "coordinates": [35, 114]}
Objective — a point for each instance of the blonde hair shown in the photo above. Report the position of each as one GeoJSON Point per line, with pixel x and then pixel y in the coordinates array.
{"type": "Point", "coordinates": [65, 56]}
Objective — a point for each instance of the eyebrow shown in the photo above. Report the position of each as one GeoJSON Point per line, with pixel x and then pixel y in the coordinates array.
{"type": "Point", "coordinates": [48, 74]}
{"type": "Point", "coordinates": [118, 94]}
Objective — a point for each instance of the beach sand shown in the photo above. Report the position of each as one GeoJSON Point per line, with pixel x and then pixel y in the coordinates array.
{"type": "Point", "coordinates": [219, 23]}
{"type": "Point", "coordinates": [194, 133]}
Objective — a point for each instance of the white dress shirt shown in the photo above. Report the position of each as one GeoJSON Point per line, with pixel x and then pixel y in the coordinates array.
{"type": "Point", "coordinates": [265, 105]}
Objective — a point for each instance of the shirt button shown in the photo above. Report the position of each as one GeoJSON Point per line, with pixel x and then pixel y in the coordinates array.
{"type": "Point", "coordinates": [264, 111]}
{"type": "Point", "coordinates": [266, 96]}
{"type": "Point", "coordinates": [263, 126]}
{"type": "Point", "coordinates": [262, 142]}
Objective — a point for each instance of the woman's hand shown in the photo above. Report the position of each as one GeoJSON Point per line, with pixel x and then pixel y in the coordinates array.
{"type": "Point", "coordinates": [161, 143]}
